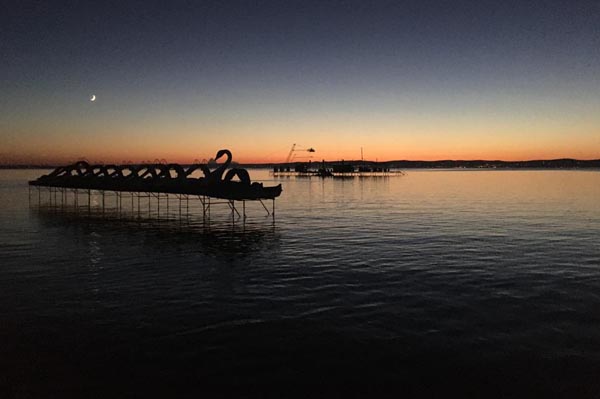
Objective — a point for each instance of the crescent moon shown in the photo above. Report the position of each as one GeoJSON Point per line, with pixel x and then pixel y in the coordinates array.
{"type": "Point", "coordinates": [93, 97]}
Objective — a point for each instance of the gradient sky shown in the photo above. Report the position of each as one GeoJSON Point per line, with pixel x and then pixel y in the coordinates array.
{"type": "Point", "coordinates": [402, 79]}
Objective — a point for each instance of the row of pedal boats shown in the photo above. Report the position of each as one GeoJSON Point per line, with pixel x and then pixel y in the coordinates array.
{"type": "Point", "coordinates": [221, 182]}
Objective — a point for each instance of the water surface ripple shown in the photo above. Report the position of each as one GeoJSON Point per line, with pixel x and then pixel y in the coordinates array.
{"type": "Point", "coordinates": [483, 281]}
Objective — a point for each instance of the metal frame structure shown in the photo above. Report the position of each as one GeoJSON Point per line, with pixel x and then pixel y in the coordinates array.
{"type": "Point", "coordinates": [137, 207]}
{"type": "Point", "coordinates": [314, 173]}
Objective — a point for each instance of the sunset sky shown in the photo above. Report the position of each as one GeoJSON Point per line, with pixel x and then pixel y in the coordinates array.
{"type": "Point", "coordinates": [417, 80]}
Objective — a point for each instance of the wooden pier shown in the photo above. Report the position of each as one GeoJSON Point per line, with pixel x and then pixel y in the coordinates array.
{"type": "Point", "coordinates": [354, 173]}
{"type": "Point", "coordinates": [335, 169]}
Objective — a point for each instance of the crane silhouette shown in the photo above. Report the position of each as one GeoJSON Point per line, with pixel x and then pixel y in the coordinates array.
{"type": "Point", "coordinates": [296, 148]}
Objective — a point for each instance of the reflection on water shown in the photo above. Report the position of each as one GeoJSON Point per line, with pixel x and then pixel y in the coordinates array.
{"type": "Point", "coordinates": [187, 234]}
{"type": "Point", "coordinates": [481, 281]}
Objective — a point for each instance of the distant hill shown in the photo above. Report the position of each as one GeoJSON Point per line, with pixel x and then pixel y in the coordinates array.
{"type": "Point", "coordinates": [564, 163]}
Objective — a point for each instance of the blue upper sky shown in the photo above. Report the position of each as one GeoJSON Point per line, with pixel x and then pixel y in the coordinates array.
{"type": "Point", "coordinates": [220, 65]}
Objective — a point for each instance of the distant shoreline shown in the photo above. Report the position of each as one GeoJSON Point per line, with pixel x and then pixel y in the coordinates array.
{"type": "Point", "coordinates": [566, 163]}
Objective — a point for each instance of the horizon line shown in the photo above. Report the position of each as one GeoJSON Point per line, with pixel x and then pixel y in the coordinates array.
{"type": "Point", "coordinates": [54, 164]}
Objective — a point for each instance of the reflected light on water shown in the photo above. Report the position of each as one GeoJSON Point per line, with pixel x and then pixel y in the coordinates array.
{"type": "Point", "coordinates": [485, 278]}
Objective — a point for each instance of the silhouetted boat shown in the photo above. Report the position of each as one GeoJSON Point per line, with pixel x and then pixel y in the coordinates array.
{"type": "Point", "coordinates": [161, 178]}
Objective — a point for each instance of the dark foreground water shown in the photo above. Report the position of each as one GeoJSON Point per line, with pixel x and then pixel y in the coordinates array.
{"type": "Point", "coordinates": [484, 283]}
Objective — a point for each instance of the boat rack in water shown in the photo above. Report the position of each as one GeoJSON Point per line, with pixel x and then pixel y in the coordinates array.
{"type": "Point", "coordinates": [158, 181]}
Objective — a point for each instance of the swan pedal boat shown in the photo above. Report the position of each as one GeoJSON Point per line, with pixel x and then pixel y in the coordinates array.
{"type": "Point", "coordinates": [158, 178]}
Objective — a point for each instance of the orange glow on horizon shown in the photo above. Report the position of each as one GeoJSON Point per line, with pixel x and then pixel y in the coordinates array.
{"type": "Point", "coordinates": [66, 155]}
{"type": "Point", "coordinates": [266, 144]}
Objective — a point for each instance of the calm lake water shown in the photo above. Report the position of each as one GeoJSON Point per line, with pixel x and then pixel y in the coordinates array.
{"type": "Point", "coordinates": [482, 282]}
